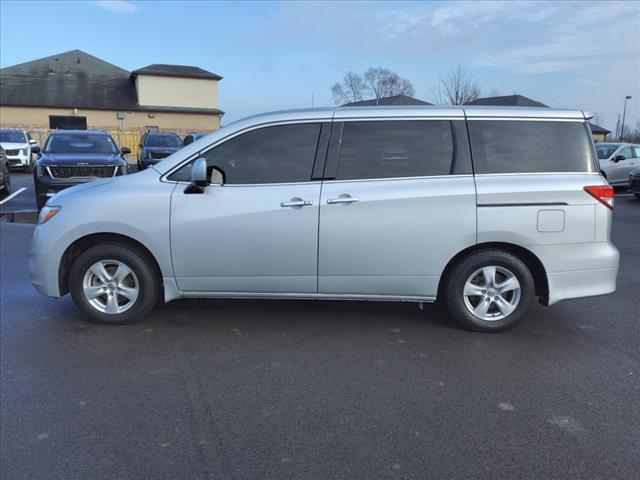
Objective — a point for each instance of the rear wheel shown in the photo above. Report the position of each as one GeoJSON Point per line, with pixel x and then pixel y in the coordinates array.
{"type": "Point", "coordinates": [114, 284]}
{"type": "Point", "coordinates": [489, 291]}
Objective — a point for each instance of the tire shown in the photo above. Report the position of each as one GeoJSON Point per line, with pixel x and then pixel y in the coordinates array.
{"type": "Point", "coordinates": [6, 191]}
{"type": "Point", "coordinates": [506, 308]}
{"type": "Point", "coordinates": [130, 305]}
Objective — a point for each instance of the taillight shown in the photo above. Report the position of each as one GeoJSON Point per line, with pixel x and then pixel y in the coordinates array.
{"type": "Point", "coordinates": [602, 193]}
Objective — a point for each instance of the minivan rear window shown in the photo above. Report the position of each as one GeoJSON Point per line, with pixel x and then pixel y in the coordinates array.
{"type": "Point", "coordinates": [523, 146]}
{"type": "Point", "coordinates": [396, 148]}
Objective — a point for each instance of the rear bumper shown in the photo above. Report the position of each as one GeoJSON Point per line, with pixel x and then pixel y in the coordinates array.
{"type": "Point", "coordinates": [578, 270]}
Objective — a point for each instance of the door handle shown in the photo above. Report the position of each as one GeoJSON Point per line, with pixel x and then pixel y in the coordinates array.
{"type": "Point", "coordinates": [344, 198]}
{"type": "Point", "coordinates": [296, 203]}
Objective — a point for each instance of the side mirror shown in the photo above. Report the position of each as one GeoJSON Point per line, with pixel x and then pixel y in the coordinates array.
{"type": "Point", "coordinates": [35, 149]}
{"type": "Point", "coordinates": [617, 158]}
{"type": "Point", "coordinates": [125, 150]}
{"type": "Point", "coordinates": [198, 177]}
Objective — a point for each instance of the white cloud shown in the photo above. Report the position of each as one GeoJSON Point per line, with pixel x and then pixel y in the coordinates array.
{"type": "Point", "coordinates": [118, 6]}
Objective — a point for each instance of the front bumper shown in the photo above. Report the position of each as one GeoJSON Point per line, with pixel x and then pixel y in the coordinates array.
{"type": "Point", "coordinates": [634, 185]}
{"type": "Point", "coordinates": [48, 187]}
{"type": "Point", "coordinates": [19, 161]}
{"type": "Point", "coordinates": [43, 265]}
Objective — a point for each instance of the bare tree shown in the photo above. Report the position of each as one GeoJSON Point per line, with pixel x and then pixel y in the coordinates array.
{"type": "Point", "coordinates": [352, 89]}
{"type": "Point", "coordinates": [383, 83]}
{"type": "Point", "coordinates": [376, 83]}
{"type": "Point", "coordinates": [455, 88]}
{"type": "Point", "coordinates": [631, 135]}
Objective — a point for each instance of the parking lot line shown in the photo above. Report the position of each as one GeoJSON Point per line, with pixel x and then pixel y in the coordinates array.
{"type": "Point", "coordinates": [14, 194]}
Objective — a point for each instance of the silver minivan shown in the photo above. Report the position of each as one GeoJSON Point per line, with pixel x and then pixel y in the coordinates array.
{"type": "Point", "coordinates": [480, 208]}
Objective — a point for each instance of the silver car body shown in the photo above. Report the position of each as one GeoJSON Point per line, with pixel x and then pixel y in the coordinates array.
{"type": "Point", "coordinates": [617, 171]}
{"type": "Point", "coordinates": [391, 241]}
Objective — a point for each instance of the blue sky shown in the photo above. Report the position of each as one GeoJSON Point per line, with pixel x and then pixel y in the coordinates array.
{"type": "Point", "coordinates": [275, 55]}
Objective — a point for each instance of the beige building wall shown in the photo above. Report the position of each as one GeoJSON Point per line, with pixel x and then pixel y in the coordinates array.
{"type": "Point", "coordinates": [32, 118]}
{"type": "Point", "coordinates": [176, 92]}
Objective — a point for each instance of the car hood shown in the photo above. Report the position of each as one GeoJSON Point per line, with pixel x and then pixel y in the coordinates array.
{"type": "Point", "coordinates": [13, 146]}
{"type": "Point", "coordinates": [162, 149]}
{"type": "Point", "coordinates": [75, 159]}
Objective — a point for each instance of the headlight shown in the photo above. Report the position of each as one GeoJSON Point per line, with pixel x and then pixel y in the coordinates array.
{"type": "Point", "coordinates": [47, 213]}
{"type": "Point", "coordinates": [42, 171]}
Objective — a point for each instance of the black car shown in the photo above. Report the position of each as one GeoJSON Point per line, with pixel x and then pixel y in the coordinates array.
{"type": "Point", "coordinates": [634, 182]}
{"type": "Point", "coordinates": [5, 176]}
{"type": "Point", "coordinates": [192, 137]}
{"type": "Point", "coordinates": [154, 146]}
{"type": "Point", "coordinates": [70, 157]}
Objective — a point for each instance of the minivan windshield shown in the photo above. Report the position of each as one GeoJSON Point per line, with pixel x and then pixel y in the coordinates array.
{"type": "Point", "coordinates": [605, 151]}
{"type": "Point", "coordinates": [80, 143]}
{"type": "Point", "coordinates": [9, 136]}
{"type": "Point", "coordinates": [163, 141]}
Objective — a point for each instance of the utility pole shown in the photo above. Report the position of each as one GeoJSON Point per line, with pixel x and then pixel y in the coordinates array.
{"type": "Point", "coordinates": [624, 114]}
{"type": "Point", "coordinates": [311, 100]}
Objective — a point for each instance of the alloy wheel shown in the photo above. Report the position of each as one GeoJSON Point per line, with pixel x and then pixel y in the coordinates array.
{"type": "Point", "coordinates": [492, 293]}
{"type": "Point", "coordinates": [110, 286]}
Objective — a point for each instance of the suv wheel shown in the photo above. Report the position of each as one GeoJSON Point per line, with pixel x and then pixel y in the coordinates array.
{"type": "Point", "coordinates": [489, 291]}
{"type": "Point", "coordinates": [114, 284]}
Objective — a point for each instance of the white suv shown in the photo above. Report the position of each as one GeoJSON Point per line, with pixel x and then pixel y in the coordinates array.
{"type": "Point", "coordinates": [17, 146]}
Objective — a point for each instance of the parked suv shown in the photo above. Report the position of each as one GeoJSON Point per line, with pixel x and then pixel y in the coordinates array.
{"type": "Point", "coordinates": [154, 146]}
{"type": "Point", "coordinates": [617, 160]}
{"type": "Point", "coordinates": [17, 147]}
{"type": "Point", "coordinates": [482, 208]}
{"type": "Point", "coordinates": [70, 157]}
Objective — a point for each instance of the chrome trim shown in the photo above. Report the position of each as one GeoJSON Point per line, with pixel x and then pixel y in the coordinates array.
{"type": "Point", "coordinates": [115, 171]}
{"type": "Point", "coordinates": [531, 119]}
{"type": "Point", "coordinates": [388, 179]}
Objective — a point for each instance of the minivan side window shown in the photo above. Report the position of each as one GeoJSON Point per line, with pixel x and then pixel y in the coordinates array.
{"type": "Point", "coordinates": [523, 146]}
{"type": "Point", "coordinates": [276, 154]}
{"type": "Point", "coordinates": [396, 148]}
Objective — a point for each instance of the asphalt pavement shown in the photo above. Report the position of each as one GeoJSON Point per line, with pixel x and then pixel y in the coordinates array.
{"type": "Point", "coordinates": [248, 389]}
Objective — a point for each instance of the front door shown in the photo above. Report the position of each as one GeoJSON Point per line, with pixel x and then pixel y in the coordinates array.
{"type": "Point", "coordinates": [258, 232]}
{"type": "Point", "coordinates": [619, 170]}
{"type": "Point", "coordinates": [400, 206]}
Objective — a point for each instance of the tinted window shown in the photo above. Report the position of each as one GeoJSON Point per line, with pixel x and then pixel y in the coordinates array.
{"type": "Point", "coordinates": [80, 143]}
{"type": "Point", "coordinates": [388, 149]}
{"type": "Point", "coordinates": [605, 151]}
{"type": "Point", "coordinates": [283, 153]}
{"type": "Point", "coordinates": [529, 146]}
{"type": "Point", "coordinates": [162, 141]}
{"type": "Point", "coordinates": [10, 136]}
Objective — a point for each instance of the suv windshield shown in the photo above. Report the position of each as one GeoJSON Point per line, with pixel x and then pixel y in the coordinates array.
{"type": "Point", "coordinates": [7, 136]}
{"type": "Point", "coordinates": [162, 141]}
{"type": "Point", "coordinates": [80, 143]}
{"type": "Point", "coordinates": [605, 151]}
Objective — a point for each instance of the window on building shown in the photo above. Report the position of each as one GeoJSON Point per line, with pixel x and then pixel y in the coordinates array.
{"type": "Point", "coordinates": [59, 122]}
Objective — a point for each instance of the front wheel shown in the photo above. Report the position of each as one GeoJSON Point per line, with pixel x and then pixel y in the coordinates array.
{"type": "Point", "coordinates": [489, 291]}
{"type": "Point", "coordinates": [114, 284]}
